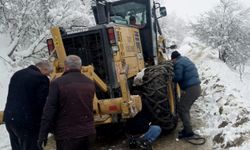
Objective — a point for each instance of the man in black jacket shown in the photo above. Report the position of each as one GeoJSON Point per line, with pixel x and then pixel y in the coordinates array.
{"type": "Point", "coordinates": [69, 109]}
{"type": "Point", "coordinates": [27, 94]}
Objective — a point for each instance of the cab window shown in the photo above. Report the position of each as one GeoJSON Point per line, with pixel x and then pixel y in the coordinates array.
{"type": "Point", "coordinates": [131, 13]}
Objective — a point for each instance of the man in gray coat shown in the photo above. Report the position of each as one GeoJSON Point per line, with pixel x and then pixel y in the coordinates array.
{"type": "Point", "coordinates": [186, 75]}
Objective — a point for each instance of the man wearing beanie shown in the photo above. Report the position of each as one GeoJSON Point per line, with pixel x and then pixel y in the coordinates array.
{"type": "Point", "coordinates": [186, 75]}
{"type": "Point", "coordinates": [175, 54]}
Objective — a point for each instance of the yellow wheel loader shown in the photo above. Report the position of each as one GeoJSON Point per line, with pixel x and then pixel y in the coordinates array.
{"type": "Point", "coordinates": [113, 52]}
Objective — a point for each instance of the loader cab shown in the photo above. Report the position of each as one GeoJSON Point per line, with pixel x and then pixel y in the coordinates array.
{"type": "Point", "coordinates": [141, 14]}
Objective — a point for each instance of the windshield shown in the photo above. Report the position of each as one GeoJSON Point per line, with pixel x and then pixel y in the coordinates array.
{"type": "Point", "coordinates": [130, 13]}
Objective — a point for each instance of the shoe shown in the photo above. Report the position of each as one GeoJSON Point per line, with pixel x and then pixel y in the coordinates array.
{"type": "Point", "coordinates": [196, 139]}
{"type": "Point", "coordinates": [183, 134]}
{"type": "Point", "coordinates": [191, 137]}
{"type": "Point", "coordinates": [143, 144]}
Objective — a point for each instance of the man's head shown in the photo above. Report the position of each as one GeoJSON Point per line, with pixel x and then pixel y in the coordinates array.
{"type": "Point", "coordinates": [132, 20]}
{"type": "Point", "coordinates": [174, 55]}
{"type": "Point", "coordinates": [72, 62]}
{"type": "Point", "coordinates": [45, 67]}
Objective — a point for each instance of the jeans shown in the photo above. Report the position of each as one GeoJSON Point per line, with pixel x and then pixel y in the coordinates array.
{"type": "Point", "coordinates": [152, 134]}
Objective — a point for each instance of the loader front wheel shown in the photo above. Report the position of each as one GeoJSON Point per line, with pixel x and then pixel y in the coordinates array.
{"type": "Point", "coordinates": [155, 97]}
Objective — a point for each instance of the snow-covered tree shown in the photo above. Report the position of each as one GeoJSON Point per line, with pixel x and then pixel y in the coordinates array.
{"type": "Point", "coordinates": [226, 28]}
{"type": "Point", "coordinates": [173, 28]}
{"type": "Point", "coordinates": [28, 22]}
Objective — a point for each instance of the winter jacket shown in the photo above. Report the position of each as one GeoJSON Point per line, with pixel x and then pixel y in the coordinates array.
{"type": "Point", "coordinates": [186, 73]}
{"type": "Point", "coordinates": [69, 107]}
{"type": "Point", "coordinates": [27, 94]}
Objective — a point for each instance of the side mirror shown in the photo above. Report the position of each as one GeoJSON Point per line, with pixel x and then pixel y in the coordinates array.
{"type": "Point", "coordinates": [50, 45]}
{"type": "Point", "coordinates": [163, 11]}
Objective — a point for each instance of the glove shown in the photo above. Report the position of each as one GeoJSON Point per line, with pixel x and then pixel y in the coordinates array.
{"type": "Point", "coordinates": [42, 143]}
{"type": "Point", "coordinates": [42, 139]}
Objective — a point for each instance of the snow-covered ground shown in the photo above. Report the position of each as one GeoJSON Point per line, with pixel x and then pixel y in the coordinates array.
{"type": "Point", "coordinates": [5, 73]}
{"type": "Point", "coordinates": [224, 107]}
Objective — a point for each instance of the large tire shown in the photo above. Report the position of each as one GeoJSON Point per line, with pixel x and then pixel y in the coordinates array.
{"type": "Point", "coordinates": [155, 95]}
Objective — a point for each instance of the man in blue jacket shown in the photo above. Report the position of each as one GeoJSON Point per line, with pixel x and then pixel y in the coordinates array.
{"type": "Point", "coordinates": [28, 90]}
{"type": "Point", "coordinates": [186, 75]}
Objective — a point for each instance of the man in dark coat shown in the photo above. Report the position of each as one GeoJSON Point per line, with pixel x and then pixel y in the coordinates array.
{"type": "Point", "coordinates": [186, 75]}
{"type": "Point", "coordinates": [27, 94]}
{"type": "Point", "coordinates": [69, 109]}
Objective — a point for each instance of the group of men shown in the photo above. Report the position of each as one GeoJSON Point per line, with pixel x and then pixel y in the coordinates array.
{"type": "Point", "coordinates": [36, 107]}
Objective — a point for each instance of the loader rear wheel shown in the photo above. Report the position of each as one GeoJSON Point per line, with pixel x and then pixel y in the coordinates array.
{"type": "Point", "coordinates": [155, 95]}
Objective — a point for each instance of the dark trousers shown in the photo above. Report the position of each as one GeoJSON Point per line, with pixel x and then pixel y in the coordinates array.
{"type": "Point", "coordinates": [21, 138]}
{"type": "Point", "coordinates": [184, 105]}
{"type": "Point", "coordinates": [85, 143]}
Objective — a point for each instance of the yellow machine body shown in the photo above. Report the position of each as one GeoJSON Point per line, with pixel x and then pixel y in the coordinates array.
{"type": "Point", "coordinates": [128, 62]}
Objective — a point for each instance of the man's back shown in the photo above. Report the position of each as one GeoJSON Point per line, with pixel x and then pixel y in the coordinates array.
{"type": "Point", "coordinates": [73, 93]}
{"type": "Point", "coordinates": [28, 89]}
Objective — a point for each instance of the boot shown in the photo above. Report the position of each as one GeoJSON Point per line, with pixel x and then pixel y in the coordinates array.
{"type": "Point", "coordinates": [143, 144]}
{"type": "Point", "coordinates": [132, 142]}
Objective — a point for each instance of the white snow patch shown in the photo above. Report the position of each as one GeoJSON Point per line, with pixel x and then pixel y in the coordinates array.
{"type": "Point", "coordinates": [6, 72]}
{"type": "Point", "coordinates": [4, 43]}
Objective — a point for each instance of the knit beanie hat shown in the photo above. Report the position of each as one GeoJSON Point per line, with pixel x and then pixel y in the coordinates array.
{"type": "Point", "coordinates": [175, 54]}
